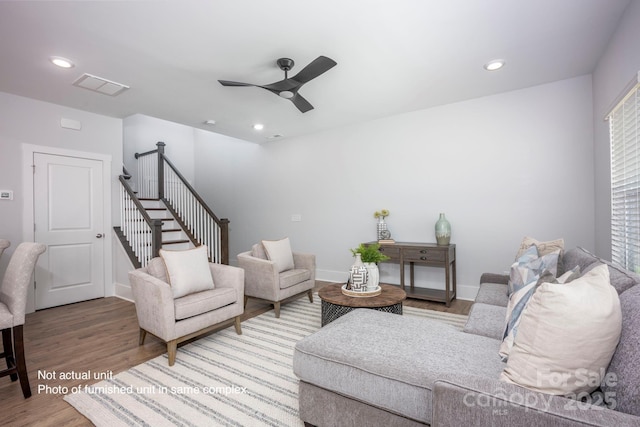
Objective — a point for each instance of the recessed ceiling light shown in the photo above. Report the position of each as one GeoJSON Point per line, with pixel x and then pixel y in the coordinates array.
{"type": "Point", "coordinates": [210, 122]}
{"type": "Point", "coordinates": [61, 62]}
{"type": "Point", "coordinates": [494, 65]}
{"type": "Point", "coordinates": [258, 126]}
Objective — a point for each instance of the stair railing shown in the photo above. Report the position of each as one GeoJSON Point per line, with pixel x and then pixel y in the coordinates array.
{"type": "Point", "coordinates": [159, 178]}
{"type": "Point", "coordinates": [143, 234]}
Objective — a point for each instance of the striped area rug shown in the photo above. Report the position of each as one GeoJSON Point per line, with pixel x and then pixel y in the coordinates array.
{"type": "Point", "coordinates": [223, 379]}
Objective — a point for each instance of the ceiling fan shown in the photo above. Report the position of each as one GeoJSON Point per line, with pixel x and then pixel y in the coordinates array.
{"type": "Point", "coordinates": [289, 87]}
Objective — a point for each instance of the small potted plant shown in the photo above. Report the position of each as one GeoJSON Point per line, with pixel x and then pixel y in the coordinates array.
{"type": "Point", "coordinates": [371, 256]}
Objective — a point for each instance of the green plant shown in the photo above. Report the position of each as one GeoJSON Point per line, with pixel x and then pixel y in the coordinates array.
{"type": "Point", "coordinates": [381, 213]}
{"type": "Point", "coordinates": [370, 253]}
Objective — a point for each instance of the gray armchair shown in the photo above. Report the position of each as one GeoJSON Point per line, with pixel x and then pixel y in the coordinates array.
{"type": "Point", "coordinates": [264, 281]}
{"type": "Point", "coordinates": [175, 320]}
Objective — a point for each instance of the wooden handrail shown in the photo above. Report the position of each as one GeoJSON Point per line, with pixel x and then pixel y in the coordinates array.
{"type": "Point", "coordinates": [194, 192]}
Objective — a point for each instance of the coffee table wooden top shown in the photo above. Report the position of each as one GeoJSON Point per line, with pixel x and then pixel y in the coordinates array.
{"type": "Point", "coordinates": [390, 295]}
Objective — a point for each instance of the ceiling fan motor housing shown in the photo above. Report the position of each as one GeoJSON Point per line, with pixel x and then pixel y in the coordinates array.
{"type": "Point", "coordinates": [285, 64]}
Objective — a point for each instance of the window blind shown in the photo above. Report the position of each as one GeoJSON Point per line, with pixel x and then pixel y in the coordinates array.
{"type": "Point", "coordinates": [624, 132]}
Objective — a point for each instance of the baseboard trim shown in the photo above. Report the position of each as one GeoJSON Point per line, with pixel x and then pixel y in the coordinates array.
{"type": "Point", "coordinates": [123, 292]}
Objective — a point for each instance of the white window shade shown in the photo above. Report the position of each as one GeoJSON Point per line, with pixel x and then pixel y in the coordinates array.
{"type": "Point", "coordinates": [624, 130]}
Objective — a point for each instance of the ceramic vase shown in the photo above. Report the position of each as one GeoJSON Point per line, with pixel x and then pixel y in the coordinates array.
{"type": "Point", "coordinates": [374, 276]}
{"type": "Point", "coordinates": [443, 231]}
{"type": "Point", "coordinates": [358, 274]}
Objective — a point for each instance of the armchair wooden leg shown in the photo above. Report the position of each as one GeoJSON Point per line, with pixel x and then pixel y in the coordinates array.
{"type": "Point", "coordinates": [172, 349]}
{"type": "Point", "coordinates": [276, 308]}
{"type": "Point", "coordinates": [143, 335]}
{"type": "Point", "coordinates": [246, 298]}
{"type": "Point", "coordinates": [18, 345]}
{"type": "Point", "coordinates": [7, 346]}
{"type": "Point", "coordinates": [310, 294]}
{"type": "Point", "coordinates": [237, 325]}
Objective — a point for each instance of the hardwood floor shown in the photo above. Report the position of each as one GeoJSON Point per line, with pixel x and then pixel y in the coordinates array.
{"type": "Point", "coordinates": [97, 337]}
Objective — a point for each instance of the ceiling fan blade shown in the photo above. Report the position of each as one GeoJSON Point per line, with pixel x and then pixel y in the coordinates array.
{"type": "Point", "coordinates": [230, 83]}
{"type": "Point", "coordinates": [318, 66]}
{"type": "Point", "coordinates": [302, 104]}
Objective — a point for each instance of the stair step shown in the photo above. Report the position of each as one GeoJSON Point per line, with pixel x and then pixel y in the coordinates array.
{"type": "Point", "coordinates": [175, 242]}
{"type": "Point", "coordinates": [155, 209]}
{"type": "Point", "coordinates": [169, 230]}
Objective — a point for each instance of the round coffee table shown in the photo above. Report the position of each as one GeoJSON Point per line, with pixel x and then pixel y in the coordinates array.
{"type": "Point", "coordinates": [336, 304]}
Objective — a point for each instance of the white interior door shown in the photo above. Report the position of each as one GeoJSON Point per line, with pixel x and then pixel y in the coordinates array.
{"type": "Point", "coordinates": [68, 215]}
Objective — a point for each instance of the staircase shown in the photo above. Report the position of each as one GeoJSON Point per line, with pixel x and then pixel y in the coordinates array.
{"type": "Point", "coordinates": [173, 236]}
{"type": "Point", "coordinates": [166, 212]}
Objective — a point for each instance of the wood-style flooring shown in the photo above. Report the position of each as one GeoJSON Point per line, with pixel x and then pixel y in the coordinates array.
{"type": "Point", "coordinates": [97, 337]}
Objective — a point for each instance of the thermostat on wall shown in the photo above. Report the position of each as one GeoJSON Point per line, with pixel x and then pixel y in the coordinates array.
{"type": "Point", "coordinates": [6, 195]}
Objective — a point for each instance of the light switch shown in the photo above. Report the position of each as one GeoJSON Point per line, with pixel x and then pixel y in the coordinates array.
{"type": "Point", "coordinates": [6, 194]}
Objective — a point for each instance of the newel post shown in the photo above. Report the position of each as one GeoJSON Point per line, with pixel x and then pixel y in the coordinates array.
{"type": "Point", "coordinates": [224, 241]}
{"type": "Point", "coordinates": [156, 237]}
{"type": "Point", "coordinates": [161, 146]}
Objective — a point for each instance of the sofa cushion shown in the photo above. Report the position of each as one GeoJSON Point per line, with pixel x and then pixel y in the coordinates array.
{"type": "Point", "coordinates": [380, 369]}
{"type": "Point", "coordinates": [157, 269]}
{"type": "Point", "coordinates": [567, 336]}
{"type": "Point", "coordinates": [279, 251]}
{"type": "Point", "coordinates": [577, 257]}
{"type": "Point", "coordinates": [293, 277]}
{"type": "Point", "coordinates": [620, 278]}
{"type": "Point", "coordinates": [257, 251]}
{"type": "Point", "coordinates": [493, 294]}
{"type": "Point", "coordinates": [188, 271]}
{"type": "Point", "coordinates": [622, 382]}
{"type": "Point", "coordinates": [202, 302]}
{"type": "Point", "coordinates": [486, 320]}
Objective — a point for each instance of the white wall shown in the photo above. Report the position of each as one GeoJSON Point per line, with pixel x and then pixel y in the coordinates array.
{"type": "Point", "coordinates": [617, 66]}
{"type": "Point", "coordinates": [500, 167]}
{"type": "Point", "coordinates": [27, 121]}
{"type": "Point", "coordinates": [141, 134]}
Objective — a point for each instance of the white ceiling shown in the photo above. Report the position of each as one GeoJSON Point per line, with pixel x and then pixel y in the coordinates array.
{"type": "Point", "coordinates": [393, 57]}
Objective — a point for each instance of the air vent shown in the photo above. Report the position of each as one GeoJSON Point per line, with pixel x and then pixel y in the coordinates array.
{"type": "Point", "coordinates": [100, 85]}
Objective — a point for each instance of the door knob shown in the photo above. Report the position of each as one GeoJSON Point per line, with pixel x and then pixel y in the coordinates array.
{"type": "Point", "coordinates": [99, 235]}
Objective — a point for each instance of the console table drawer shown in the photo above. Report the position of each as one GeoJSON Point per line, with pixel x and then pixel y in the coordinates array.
{"type": "Point", "coordinates": [392, 252]}
{"type": "Point", "coordinates": [424, 255]}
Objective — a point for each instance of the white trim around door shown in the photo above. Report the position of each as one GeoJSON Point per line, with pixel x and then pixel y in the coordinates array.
{"type": "Point", "coordinates": [28, 151]}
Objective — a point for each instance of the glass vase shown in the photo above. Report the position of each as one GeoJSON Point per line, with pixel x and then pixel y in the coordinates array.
{"type": "Point", "coordinates": [443, 231]}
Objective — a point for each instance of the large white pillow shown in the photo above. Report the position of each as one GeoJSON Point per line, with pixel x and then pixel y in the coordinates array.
{"type": "Point", "coordinates": [566, 336]}
{"type": "Point", "coordinates": [279, 251]}
{"type": "Point", "coordinates": [188, 271]}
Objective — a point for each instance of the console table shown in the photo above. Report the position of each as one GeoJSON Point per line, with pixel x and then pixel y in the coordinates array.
{"type": "Point", "coordinates": [428, 254]}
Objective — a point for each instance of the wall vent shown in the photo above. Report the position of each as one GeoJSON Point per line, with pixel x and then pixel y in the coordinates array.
{"type": "Point", "coordinates": [100, 85]}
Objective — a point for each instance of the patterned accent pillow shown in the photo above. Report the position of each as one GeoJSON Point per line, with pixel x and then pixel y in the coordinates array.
{"type": "Point", "coordinates": [529, 266]}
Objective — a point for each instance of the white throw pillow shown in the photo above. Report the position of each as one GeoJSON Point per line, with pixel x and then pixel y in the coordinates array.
{"type": "Point", "coordinates": [188, 271]}
{"type": "Point", "coordinates": [566, 336]}
{"type": "Point", "coordinates": [279, 251]}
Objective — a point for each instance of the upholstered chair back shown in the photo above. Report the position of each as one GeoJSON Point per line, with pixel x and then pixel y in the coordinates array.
{"type": "Point", "coordinates": [15, 284]}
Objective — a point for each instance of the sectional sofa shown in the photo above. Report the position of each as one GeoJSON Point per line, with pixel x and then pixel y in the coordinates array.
{"type": "Point", "coordinates": [373, 368]}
